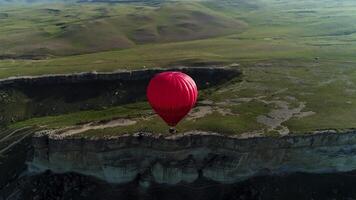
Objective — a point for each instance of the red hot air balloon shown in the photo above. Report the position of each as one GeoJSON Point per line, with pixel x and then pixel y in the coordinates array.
{"type": "Point", "coordinates": [172, 95]}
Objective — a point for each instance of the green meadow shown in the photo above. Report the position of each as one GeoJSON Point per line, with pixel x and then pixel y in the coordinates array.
{"type": "Point", "coordinates": [297, 57]}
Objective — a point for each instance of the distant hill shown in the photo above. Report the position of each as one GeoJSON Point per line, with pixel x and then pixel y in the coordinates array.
{"type": "Point", "coordinates": [35, 1]}
{"type": "Point", "coordinates": [32, 1]}
{"type": "Point", "coordinates": [57, 30]}
{"type": "Point", "coordinates": [73, 1]}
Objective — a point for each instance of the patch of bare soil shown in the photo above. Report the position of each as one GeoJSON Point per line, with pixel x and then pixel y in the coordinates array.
{"type": "Point", "coordinates": [202, 111]}
{"type": "Point", "coordinates": [225, 111]}
{"type": "Point", "coordinates": [282, 113]}
{"type": "Point", "coordinates": [94, 126]}
{"type": "Point", "coordinates": [206, 102]}
{"type": "Point", "coordinates": [253, 134]}
{"type": "Point", "coordinates": [304, 114]}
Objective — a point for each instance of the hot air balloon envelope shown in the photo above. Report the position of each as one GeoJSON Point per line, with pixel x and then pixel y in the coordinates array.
{"type": "Point", "coordinates": [172, 95]}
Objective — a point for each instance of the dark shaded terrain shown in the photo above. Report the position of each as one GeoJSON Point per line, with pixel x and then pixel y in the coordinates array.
{"type": "Point", "coordinates": [24, 98]}
{"type": "Point", "coordinates": [15, 149]}
{"type": "Point", "coordinates": [296, 186]}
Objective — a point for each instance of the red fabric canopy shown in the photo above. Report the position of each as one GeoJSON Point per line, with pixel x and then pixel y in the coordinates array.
{"type": "Point", "coordinates": [172, 95]}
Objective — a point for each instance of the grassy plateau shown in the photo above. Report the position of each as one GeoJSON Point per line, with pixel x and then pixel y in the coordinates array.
{"type": "Point", "coordinates": [298, 60]}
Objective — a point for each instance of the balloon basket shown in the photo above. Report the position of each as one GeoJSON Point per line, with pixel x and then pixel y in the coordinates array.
{"type": "Point", "coordinates": [172, 130]}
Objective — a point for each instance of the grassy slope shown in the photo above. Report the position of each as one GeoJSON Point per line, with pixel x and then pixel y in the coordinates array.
{"type": "Point", "coordinates": [56, 29]}
{"type": "Point", "coordinates": [276, 32]}
{"type": "Point", "coordinates": [277, 53]}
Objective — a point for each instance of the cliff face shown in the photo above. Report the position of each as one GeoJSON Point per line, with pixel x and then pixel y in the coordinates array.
{"type": "Point", "coordinates": [187, 157]}
{"type": "Point", "coordinates": [25, 97]}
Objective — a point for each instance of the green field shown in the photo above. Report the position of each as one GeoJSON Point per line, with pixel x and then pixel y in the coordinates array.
{"type": "Point", "coordinates": [298, 59]}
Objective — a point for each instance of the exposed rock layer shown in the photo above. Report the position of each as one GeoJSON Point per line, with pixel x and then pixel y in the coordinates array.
{"type": "Point", "coordinates": [187, 157]}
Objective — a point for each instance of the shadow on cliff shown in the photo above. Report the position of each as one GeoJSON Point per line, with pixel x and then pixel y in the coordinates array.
{"type": "Point", "coordinates": [26, 97]}
{"type": "Point", "coordinates": [298, 186]}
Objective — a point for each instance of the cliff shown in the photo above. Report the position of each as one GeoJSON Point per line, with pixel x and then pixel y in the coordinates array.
{"type": "Point", "coordinates": [26, 97]}
{"type": "Point", "coordinates": [186, 157]}
{"type": "Point", "coordinates": [200, 74]}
